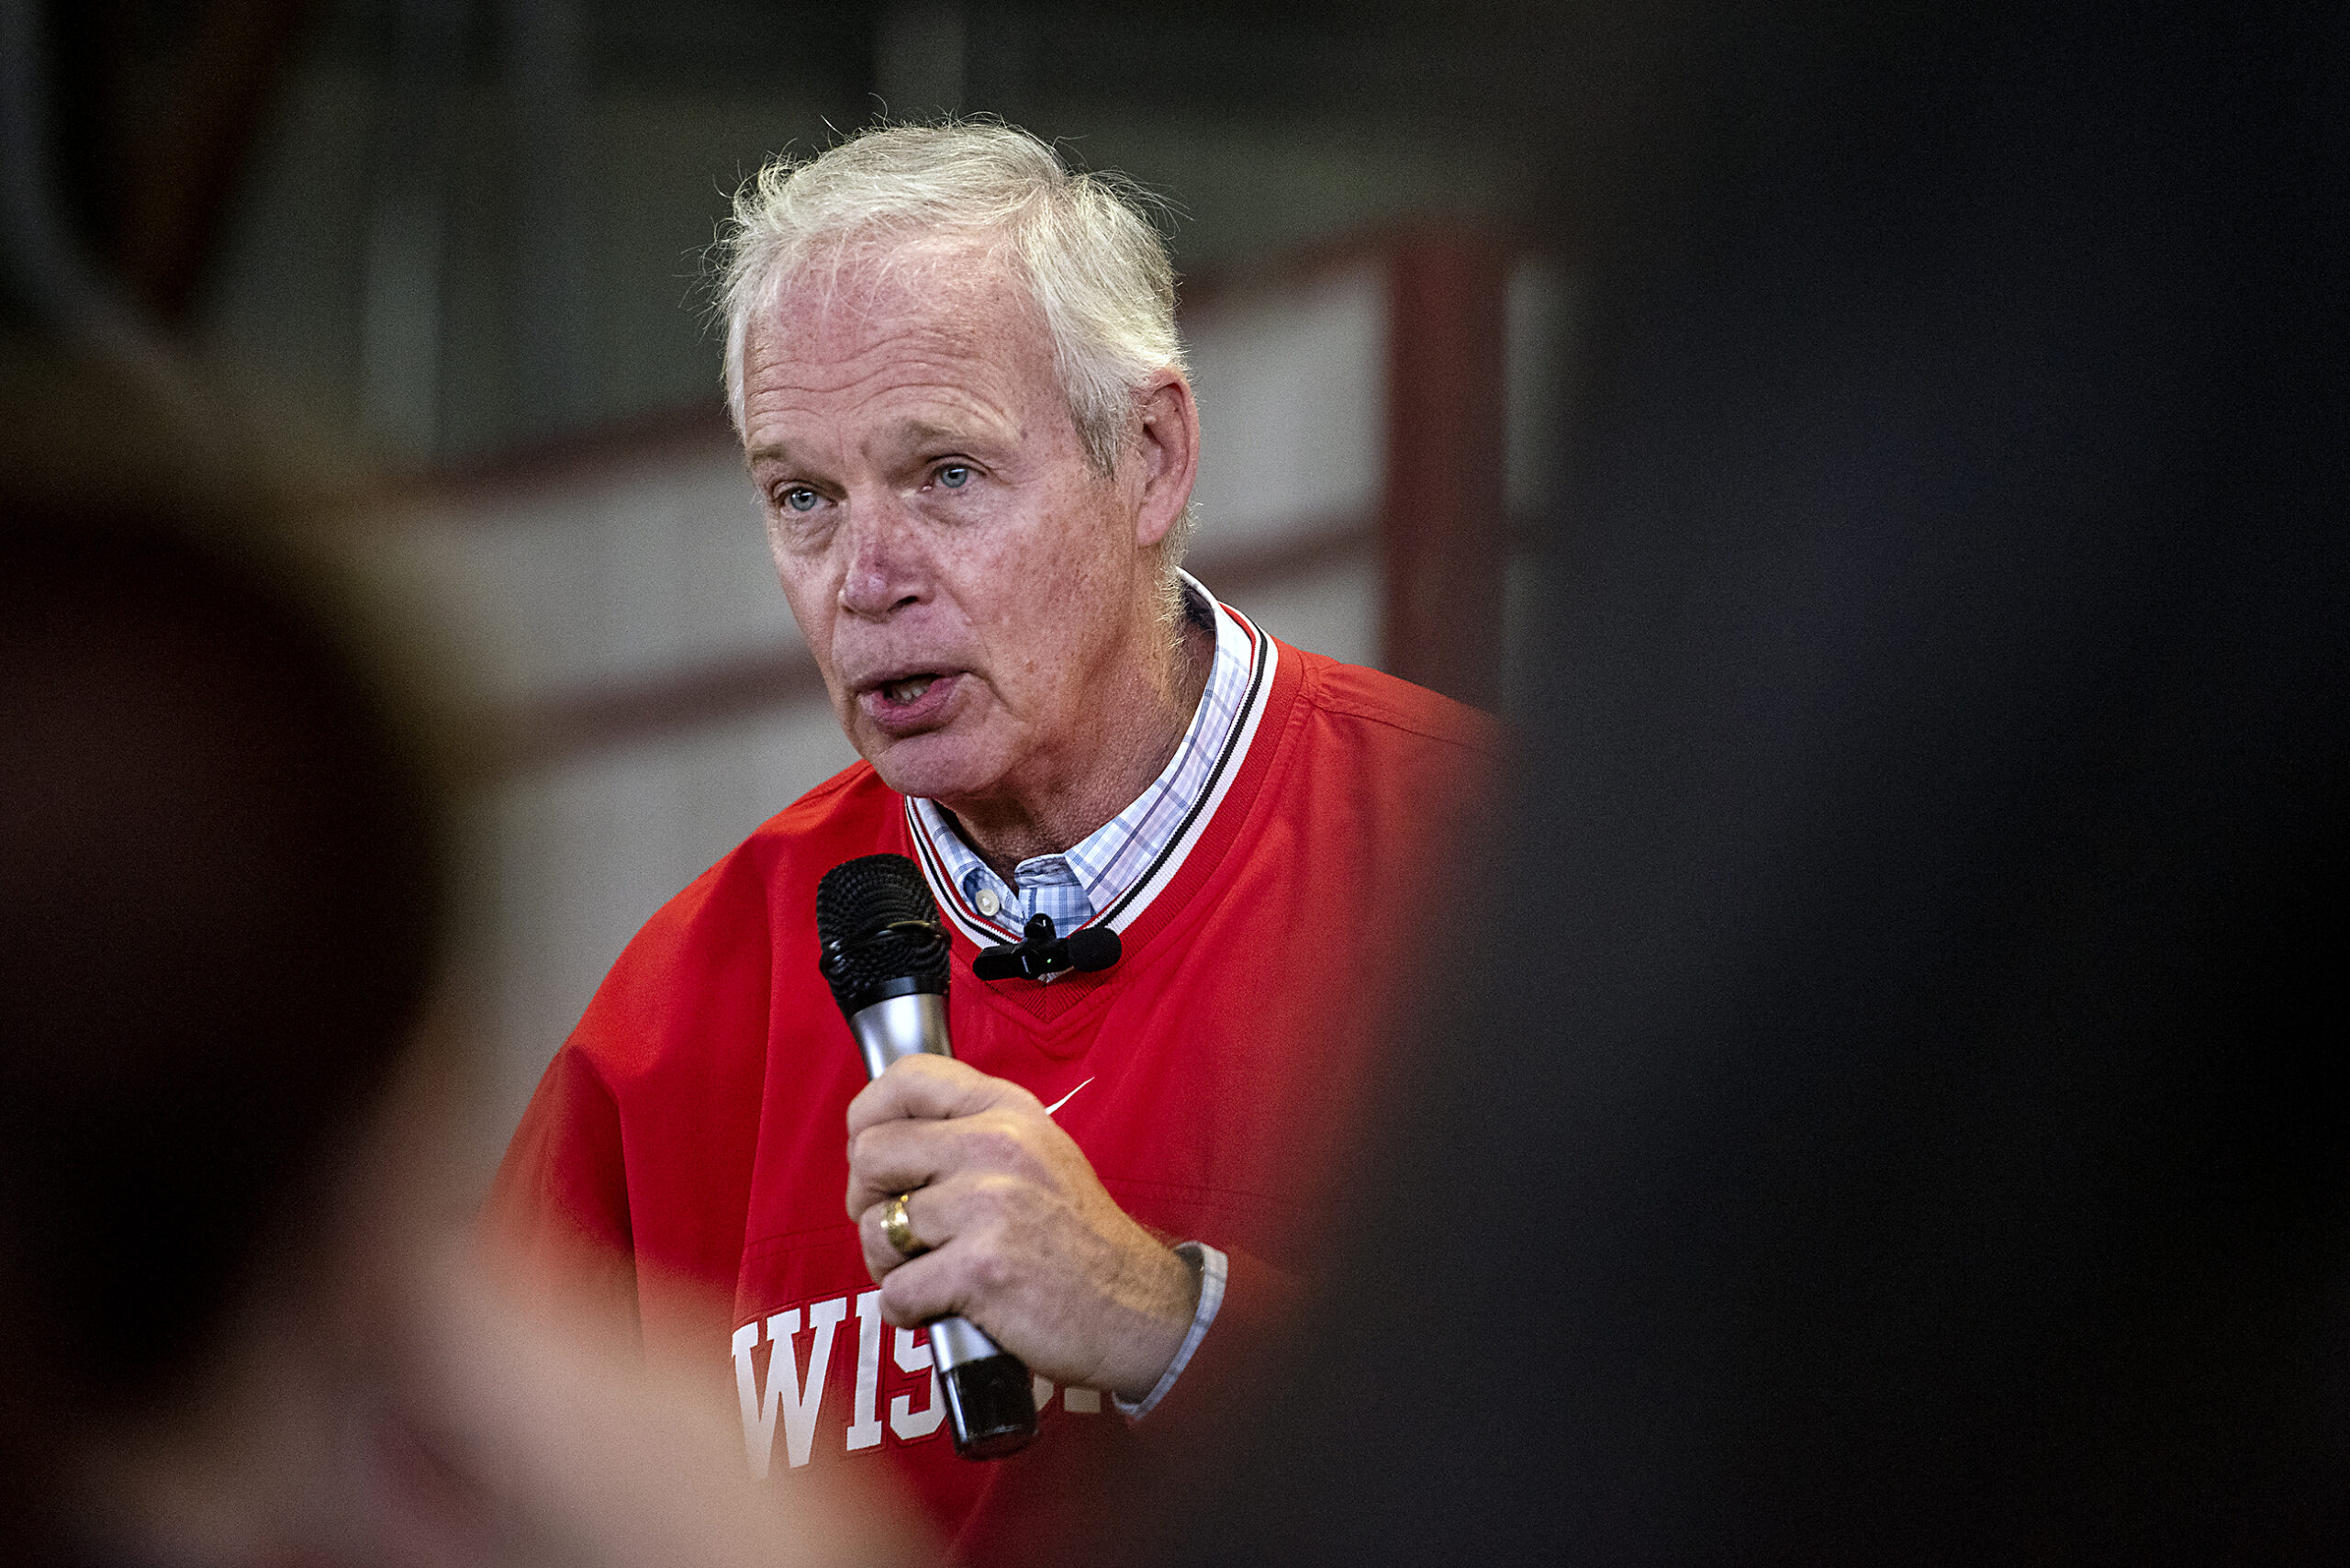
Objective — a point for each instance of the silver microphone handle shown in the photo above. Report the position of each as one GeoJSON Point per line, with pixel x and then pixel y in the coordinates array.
{"type": "Point", "coordinates": [898, 1026]}
{"type": "Point", "coordinates": [916, 1025]}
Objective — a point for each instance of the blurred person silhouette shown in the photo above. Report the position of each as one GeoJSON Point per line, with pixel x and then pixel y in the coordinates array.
{"type": "Point", "coordinates": [233, 1328]}
{"type": "Point", "coordinates": [1890, 1106]}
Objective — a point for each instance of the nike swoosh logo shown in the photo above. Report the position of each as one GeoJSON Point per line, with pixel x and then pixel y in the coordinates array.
{"type": "Point", "coordinates": [1064, 1099]}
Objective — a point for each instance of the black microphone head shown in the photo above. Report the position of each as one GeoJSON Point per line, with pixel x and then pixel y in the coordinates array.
{"type": "Point", "coordinates": [1093, 948]}
{"type": "Point", "coordinates": [879, 932]}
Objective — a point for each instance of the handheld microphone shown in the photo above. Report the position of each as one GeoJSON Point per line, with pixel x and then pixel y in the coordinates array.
{"type": "Point", "coordinates": [884, 952]}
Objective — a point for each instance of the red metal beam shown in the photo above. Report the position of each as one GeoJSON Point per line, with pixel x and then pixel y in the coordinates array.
{"type": "Point", "coordinates": [1443, 525]}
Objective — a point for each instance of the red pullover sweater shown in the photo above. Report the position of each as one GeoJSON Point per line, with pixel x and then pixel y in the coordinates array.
{"type": "Point", "coordinates": [694, 1123]}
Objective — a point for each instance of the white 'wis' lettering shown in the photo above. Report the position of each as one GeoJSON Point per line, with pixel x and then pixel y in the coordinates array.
{"type": "Point", "coordinates": [795, 1390]}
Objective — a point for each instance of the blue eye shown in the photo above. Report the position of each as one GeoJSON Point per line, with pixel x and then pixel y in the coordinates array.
{"type": "Point", "coordinates": [800, 498]}
{"type": "Point", "coordinates": [953, 476]}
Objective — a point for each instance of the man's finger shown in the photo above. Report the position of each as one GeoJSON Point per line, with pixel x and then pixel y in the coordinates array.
{"type": "Point", "coordinates": [937, 1216]}
{"type": "Point", "coordinates": [928, 1088]}
{"type": "Point", "coordinates": [881, 1254]}
{"type": "Point", "coordinates": [961, 1272]}
{"type": "Point", "coordinates": [915, 1291]}
{"type": "Point", "coordinates": [900, 1155]}
{"type": "Point", "coordinates": [881, 1168]}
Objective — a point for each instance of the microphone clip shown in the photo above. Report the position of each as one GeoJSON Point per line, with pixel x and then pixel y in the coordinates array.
{"type": "Point", "coordinates": [1040, 954]}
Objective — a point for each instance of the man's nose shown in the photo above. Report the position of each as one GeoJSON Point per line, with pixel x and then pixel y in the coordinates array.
{"type": "Point", "coordinates": [886, 562]}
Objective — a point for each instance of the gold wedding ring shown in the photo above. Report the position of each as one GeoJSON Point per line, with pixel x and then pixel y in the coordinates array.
{"type": "Point", "coordinates": [899, 1231]}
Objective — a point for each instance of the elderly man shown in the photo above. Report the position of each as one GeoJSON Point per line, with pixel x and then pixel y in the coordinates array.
{"type": "Point", "coordinates": [962, 400]}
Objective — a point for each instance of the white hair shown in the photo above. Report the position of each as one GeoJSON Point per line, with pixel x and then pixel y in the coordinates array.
{"type": "Point", "coordinates": [1090, 259]}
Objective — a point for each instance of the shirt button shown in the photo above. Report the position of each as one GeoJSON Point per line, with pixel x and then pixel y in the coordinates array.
{"type": "Point", "coordinates": [987, 901]}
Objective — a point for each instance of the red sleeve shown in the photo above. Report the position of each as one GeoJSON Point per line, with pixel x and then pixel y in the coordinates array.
{"type": "Point", "coordinates": [560, 1198]}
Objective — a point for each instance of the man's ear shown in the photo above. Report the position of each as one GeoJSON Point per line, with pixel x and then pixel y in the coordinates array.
{"type": "Point", "coordinates": [1167, 449]}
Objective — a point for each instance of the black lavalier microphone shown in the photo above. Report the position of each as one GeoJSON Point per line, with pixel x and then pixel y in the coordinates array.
{"type": "Point", "coordinates": [1039, 952]}
{"type": "Point", "coordinates": [885, 954]}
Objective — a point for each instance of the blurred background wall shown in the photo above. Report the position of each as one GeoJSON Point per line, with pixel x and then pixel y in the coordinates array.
{"type": "Point", "coordinates": [448, 256]}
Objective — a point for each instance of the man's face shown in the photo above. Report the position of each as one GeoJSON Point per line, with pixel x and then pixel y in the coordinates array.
{"type": "Point", "coordinates": [971, 589]}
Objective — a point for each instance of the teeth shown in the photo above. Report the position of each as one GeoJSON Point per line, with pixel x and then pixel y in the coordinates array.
{"type": "Point", "coordinates": [908, 689]}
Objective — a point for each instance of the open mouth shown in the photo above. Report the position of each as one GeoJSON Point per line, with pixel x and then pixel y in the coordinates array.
{"type": "Point", "coordinates": [910, 702]}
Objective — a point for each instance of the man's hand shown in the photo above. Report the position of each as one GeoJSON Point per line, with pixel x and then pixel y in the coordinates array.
{"type": "Point", "coordinates": [1023, 1239]}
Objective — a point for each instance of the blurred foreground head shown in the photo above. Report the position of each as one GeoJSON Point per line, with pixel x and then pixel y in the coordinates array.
{"type": "Point", "coordinates": [236, 1321]}
{"type": "Point", "coordinates": [220, 909]}
{"type": "Point", "coordinates": [1902, 1123]}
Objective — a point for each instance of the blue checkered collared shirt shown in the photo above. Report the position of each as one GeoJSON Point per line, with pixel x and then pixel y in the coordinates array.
{"type": "Point", "coordinates": [1088, 876]}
